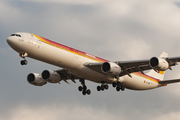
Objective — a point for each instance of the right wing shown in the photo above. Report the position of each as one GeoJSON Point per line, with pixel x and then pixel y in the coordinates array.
{"type": "Point", "coordinates": [133, 66]}
{"type": "Point", "coordinates": [126, 66]}
{"type": "Point", "coordinates": [142, 65]}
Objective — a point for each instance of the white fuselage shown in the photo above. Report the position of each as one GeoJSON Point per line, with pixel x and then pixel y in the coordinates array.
{"type": "Point", "coordinates": [73, 62]}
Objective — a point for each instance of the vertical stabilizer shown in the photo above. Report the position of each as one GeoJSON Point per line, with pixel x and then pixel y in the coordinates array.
{"type": "Point", "coordinates": [164, 55]}
{"type": "Point", "coordinates": [158, 74]}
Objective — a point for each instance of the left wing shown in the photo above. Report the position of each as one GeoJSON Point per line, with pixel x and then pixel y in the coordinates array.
{"type": "Point", "coordinates": [169, 81]}
{"type": "Point", "coordinates": [65, 75]}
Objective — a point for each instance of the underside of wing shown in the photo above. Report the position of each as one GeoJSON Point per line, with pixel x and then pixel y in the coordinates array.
{"type": "Point", "coordinates": [94, 66]}
{"type": "Point", "coordinates": [65, 75]}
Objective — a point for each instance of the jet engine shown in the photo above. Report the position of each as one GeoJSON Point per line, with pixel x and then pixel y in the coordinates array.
{"type": "Point", "coordinates": [111, 68]}
{"type": "Point", "coordinates": [36, 79]}
{"type": "Point", "coordinates": [158, 64]}
{"type": "Point", "coordinates": [51, 76]}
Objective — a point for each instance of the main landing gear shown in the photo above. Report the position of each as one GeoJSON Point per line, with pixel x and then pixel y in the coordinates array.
{"type": "Point", "coordinates": [118, 86]}
{"type": "Point", "coordinates": [83, 88]}
{"type": "Point", "coordinates": [23, 55]}
{"type": "Point", "coordinates": [102, 87]}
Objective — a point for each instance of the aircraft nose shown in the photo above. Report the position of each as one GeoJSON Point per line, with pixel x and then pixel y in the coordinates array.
{"type": "Point", "coordinates": [9, 40]}
{"type": "Point", "coordinates": [12, 41]}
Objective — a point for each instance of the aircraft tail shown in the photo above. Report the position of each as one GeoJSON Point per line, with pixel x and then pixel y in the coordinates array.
{"type": "Point", "coordinates": [158, 74]}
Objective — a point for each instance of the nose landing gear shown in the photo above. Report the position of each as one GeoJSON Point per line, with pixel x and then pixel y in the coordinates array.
{"type": "Point", "coordinates": [23, 55]}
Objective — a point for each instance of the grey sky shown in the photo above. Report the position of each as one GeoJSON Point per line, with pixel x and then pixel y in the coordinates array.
{"type": "Point", "coordinates": [111, 29]}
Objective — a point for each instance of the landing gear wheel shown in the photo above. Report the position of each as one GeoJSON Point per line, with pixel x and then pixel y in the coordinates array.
{"type": "Point", "coordinates": [114, 84]}
{"type": "Point", "coordinates": [80, 88]}
{"type": "Point", "coordinates": [24, 62]}
{"type": "Point", "coordinates": [102, 87]}
{"type": "Point", "coordinates": [118, 88]}
{"type": "Point", "coordinates": [88, 92]}
{"type": "Point", "coordinates": [122, 88]}
{"type": "Point", "coordinates": [98, 88]}
{"type": "Point", "coordinates": [118, 84]}
{"type": "Point", "coordinates": [84, 92]}
{"type": "Point", "coordinates": [106, 86]}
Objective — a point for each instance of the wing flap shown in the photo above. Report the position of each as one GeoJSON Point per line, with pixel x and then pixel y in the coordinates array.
{"type": "Point", "coordinates": [173, 60]}
{"type": "Point", "coordinates": [134, 69]}
{"type": "Point", "coordinates": [133, 63]}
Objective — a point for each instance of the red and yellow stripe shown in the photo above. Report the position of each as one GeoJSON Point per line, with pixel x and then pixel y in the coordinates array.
{"type": "Point", "coordinates": [148, 77]}
{"type": "Point", "coordinates": [69, 49]}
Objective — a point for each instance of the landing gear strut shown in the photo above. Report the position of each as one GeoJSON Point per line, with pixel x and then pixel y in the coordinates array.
{"type": "Point", "coordinates": [83, 88]}
{"type": "Point", "coordinates": [23, 55]}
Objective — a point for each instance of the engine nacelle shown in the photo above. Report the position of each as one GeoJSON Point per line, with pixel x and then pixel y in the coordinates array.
{"type": "Point", "coordinates": [111, 68]}
{"type": "Point", "coordinates": [36, 79]}
{"type": "Point", "coordinates": [158, 64]}
{"type": "Point", "coordinates": [51, 76]}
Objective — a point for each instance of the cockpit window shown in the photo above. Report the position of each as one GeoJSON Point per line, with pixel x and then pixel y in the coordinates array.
{"type": "Point", "coordinates": [18, 35]}
{"type": "Point", "coordinates": [13, 34]}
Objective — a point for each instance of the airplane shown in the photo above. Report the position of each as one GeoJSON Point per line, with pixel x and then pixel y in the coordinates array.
{"type": "Point", "coordinates": [77, 65]}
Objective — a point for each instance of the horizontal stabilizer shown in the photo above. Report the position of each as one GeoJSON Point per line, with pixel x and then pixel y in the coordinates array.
{"type": "Point", "coordinates": [169, 81]}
